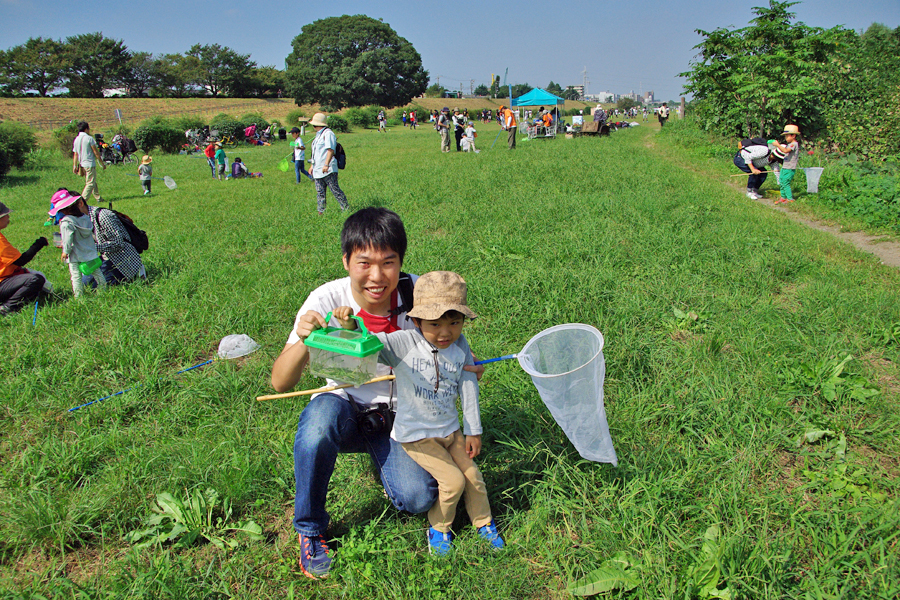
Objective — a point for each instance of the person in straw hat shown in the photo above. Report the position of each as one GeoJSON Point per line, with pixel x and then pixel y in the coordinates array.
{"type": "Point", "coordinates": [323, 164]}
{"type": "Point", "coordinates": [145, 172]}
{"type": "Point", "coordinates": [791, 151]}
{"type": "Point", "coordinates": [18, 285]}
{"type": "Point", "coordinates": [428, 363]}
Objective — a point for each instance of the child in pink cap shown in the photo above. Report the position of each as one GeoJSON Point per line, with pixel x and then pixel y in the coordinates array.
{"type": "Point", "coordinates": [78, 247]}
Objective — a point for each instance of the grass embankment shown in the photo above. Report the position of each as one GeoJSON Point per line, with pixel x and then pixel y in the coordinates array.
{"type": "Point", "coordinates": [51, 113]}
{"type": "Point", "coordinates": [724, 326]}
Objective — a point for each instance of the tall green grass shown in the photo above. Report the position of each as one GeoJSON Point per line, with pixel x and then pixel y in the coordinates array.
{"type": "Point", "coordinates": [715, 311]}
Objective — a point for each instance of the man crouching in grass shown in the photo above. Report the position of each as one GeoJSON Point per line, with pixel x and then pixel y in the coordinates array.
{"type": "Point", "coordinates": [373, 243]}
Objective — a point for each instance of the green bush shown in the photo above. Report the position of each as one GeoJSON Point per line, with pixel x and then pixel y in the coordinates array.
{"type": "Point", "coordinates": [122, 129]}
{"type": "Point", "coordinates": [422, 112]}
{"type": "Point", "coordinates": [38, 160]}
{"type": "Point", "coordinates": [228, 125]}
{"type": "Point", "coordinates": [338, 123]}
{"type": "Point", "coordinates": [16, 141]}
{"type": "Point", "coordinates": [251, 118]}
{"type": "Point", "coordinates": [186, 122]}
{"type": "Point", "coordinates": [64, 137]}
{"type": "Point", "coordinates": [159, 135]}
{"type": "Point", "coordinates": [293, 118]}
{"type": "Point", "coordinates": [360, 117]}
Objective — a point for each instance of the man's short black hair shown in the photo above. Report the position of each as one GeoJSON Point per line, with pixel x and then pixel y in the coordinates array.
{"type": "Point", "coordinates": [82, 126]}
{"type": "Point", "coordinates": [373, 227]}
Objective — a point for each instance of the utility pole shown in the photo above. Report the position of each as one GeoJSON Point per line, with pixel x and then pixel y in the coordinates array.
{"type": "Point", "coordinates": [472, 87]}
{"type": "Point", "coordinates": [584, 83]}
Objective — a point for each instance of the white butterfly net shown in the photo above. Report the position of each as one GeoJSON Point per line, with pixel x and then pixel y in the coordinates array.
{"type": "Point", "coordinates": [236, 346]}
{"type": "Point", "coordinates": [566, 365]}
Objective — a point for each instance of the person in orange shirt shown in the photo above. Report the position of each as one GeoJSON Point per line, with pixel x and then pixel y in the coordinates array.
{"type": "Point", "coordinates": [508, 122]}
{"type": "Point", "coordinates": [18, 285]}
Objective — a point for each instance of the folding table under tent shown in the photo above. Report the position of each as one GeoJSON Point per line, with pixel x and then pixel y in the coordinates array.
{"type": "Point", "coordinates": [539, 97]}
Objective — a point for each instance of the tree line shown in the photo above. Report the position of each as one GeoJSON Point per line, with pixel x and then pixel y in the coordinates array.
{"type": "Point", "coordinates": [89, 63]}
{"type": "Point", "coordinates": [838, 85]}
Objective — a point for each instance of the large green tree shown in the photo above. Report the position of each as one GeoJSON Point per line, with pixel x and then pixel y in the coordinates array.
{"type": "Point", "coordinates": [141, 74]}
{"type": "Point", "coordinates": [353, 61]}
{"type": "Point", "coordinates": [35, 65]}
{"type": "Point", "coordinates": [94, 63]}
{"type": "Point", "coordinates": [571, 93]}
{"type": "Point", "coordinates": [755, 79]}
{"type": "Point", "coordinates": [174, 75]}
{"type": "Point", "coordinates": [555, 89]}
{"type": "Point", "coordinates": [221, 69]}
{"type": "Point", "coordinates": [862, 95]}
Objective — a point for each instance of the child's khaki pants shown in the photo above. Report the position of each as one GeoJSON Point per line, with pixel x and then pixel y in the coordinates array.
{"type": "Point", "coordinates": [446, 460]}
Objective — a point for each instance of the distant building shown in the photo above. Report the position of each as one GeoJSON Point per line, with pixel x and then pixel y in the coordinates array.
{"type": "Point", "coordinates": [606, 97]}
{"type": "Point", "coordinates": [648, 97]}
{"type": "Point", "coordinates": [579, 89]}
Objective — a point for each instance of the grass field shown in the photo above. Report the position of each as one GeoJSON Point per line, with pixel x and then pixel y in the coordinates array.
{"type": "Point", "coordinates": [755, 459]}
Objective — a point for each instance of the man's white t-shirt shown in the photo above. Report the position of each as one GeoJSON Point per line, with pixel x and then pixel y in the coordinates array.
{"type": "Point", "coordinates": [82, 146]}
{"type": "Point", "coordinates": [326, 298]}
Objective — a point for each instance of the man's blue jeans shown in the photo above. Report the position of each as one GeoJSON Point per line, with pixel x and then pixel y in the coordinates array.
{"type": "Point", "coordinates": [327, 427]}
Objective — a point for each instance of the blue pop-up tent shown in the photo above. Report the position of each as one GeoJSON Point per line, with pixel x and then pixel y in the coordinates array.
{"type": "Point", "coordinates": [538, 97]}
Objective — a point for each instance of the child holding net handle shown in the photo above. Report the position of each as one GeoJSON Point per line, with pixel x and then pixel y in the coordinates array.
{"type": "Point", "coordinates": [428, 364]}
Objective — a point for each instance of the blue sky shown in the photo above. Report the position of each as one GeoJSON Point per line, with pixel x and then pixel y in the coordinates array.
{"type": "Point", "coordinates": [623, 46]}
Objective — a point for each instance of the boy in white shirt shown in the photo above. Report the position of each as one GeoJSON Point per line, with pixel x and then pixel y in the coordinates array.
{"type": "Point", "coordinates": [468, 141]}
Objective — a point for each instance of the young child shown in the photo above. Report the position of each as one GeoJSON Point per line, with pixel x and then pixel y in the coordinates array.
{"type": "Point", "coordinates": [145, 171]}
{"type": "Point", "coordinates": [220, 162]}
{"type": "Point", "coordinates": [210, 153]}
{"type": "Point", "coordinates": [239, 169]}
{"type": "Point", "coordinates": [299, 155]}
{"type": "Point", "coordinates": [469, 138]}
{"type": "Point", "coordinates": [428, 364]}
{"type": "Point", "coordinates": [78, 247]}
{"type": "Point", "coordinates": [791, 150]}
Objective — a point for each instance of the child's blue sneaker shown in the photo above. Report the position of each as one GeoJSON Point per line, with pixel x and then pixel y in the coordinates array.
{"type": "Point", "coordinates": [490, 533]}
{"type": "Point", "coordinates": [439, 543]}
{"type": "Point", "coordinates": [315, 561]}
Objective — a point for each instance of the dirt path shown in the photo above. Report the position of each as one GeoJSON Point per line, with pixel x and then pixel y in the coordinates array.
{"type": "Point", "coordinates": [883, 247]}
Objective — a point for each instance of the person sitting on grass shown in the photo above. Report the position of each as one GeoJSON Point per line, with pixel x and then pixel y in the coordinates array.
{"type": "Point", "coordinates": [18, 285]}
{"type": "Point", "coordinates": [240, 170]}
{"type": "Point", "coordinates": [428, 365]}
